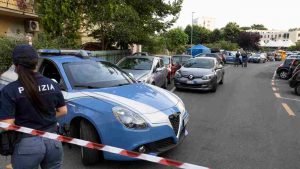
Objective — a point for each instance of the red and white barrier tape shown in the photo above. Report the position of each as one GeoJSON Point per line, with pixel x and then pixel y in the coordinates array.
{"type": "Point", "coordinates": [96, 146]}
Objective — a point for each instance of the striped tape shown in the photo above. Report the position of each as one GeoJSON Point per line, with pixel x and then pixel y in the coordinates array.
{"type": "Point", "coordinates": [96, 146]}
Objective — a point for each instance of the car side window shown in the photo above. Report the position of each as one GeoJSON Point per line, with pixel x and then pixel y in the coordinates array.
{"type": "Point", "coordinates": [49, 70]}
{"type": "Point", "coordinates": [161, 63]}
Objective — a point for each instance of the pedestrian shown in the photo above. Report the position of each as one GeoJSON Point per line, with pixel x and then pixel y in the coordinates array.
{"type": "Point", "coordinates": [237, 58]}
{"type": "Point", "coordinates": [32, 101]}
{"type": "Point", "coordinates": [244, 59]}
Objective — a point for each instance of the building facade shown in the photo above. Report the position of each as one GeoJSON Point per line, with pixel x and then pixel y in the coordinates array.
{"type": "Point", "coordinates": [206, 22]}
{"type": "Point", "coordinates": [278, 35]}
{"type": "Point", "coordinates": [18, 18]}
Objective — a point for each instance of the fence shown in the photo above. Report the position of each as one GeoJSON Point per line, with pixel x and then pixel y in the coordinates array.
{"type": "Point", "coordinates": [112, 56]}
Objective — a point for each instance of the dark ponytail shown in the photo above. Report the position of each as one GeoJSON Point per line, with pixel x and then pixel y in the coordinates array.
{"type": "Point", "coordinates": [26, 77]}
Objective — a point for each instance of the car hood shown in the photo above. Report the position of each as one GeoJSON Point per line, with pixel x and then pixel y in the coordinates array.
{"type": "Point", "coordinates": [142, 98]}
{"type": "Point", "coordinates": [197, 72]}
{"type": "Point", "coordinates": [137, 74]}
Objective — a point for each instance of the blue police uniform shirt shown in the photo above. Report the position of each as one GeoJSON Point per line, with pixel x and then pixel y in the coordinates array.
{"type": "Point", "coordinates": [14, 103]}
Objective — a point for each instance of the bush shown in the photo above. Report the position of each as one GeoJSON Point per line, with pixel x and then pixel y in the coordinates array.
{"type": "Point", "coordinates": [7, 44]}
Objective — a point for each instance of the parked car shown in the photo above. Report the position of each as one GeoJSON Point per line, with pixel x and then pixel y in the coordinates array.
{"type": "Point", "coordinates": [259, 58]}
{"type": "Point", "coordinates": [277, 57]}
{"type": "Point", "coordinates": [179, 60]}
{"type": "Point", "coordinates": [212, 55]}
{"type": "Point", "coordinates": [283, 69]}
{"type": "Point", "coordinates": [203, 73]}
{"type": "Point", "coordinates": [141, 54]}
{"type": "Point", "coordinates": [147, 69]}
{"type": "Point", "coordinates": [106, 105]}
{"type": "Point", "coordinates": [169, 64]}
{"type": "Point", "coordinates": [230, 57]}
{"type": "Point", "coordinates": [293, 66]}
{"type": "Point", "coordinates": [294, 82]}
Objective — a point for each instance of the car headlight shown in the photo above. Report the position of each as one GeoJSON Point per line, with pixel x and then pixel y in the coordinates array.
{"type": "Point", "coordinates": [129, 118]}
{"type": "Point", "coordinates": [177, 74]}
{"type": "Point", "coordinates": [208, 77]}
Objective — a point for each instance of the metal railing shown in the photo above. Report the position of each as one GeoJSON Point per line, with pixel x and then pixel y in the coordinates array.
{"type": "Point", "coordinates": [18, 5]}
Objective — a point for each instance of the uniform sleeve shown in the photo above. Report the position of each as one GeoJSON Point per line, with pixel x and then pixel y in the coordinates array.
{"type": "Point", "coordinates": [60, 101]}
{"type": "Point", "coordinates": [7, 106]}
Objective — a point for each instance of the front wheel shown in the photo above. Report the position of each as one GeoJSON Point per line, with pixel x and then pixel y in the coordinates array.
{"type": "Point", "coordinates": [297, 89]}
{"type": "Point", "coordinates": [283, 74]}
{"type": "Point", "coordinates": [222, 81]}
{"type": "Point", "coordinates": [215, 87]}
{"type": "Point", "coordinates": [89, 133]}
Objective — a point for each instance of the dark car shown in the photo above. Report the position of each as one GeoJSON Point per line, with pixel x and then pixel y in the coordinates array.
{"type": "Point", "coordinates": [203, 73]}
{"type": "Point", "coordinates": [212, 55]}
{"type": "Point", "coordinates": [294, 82]}
{"type": "Point", "coordinates": [283, 69]}
{"type": "Point", "coordinates": [294, 67]}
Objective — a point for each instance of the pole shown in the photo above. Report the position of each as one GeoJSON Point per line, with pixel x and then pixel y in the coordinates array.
{"type": "Point", "coordinates": [192, 33]}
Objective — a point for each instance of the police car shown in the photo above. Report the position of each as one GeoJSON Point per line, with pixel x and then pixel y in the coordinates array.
{"type": "Point", "coordinates": [106, 105]}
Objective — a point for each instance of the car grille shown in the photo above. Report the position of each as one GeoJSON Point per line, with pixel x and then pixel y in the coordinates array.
{"type": "Point", "coordinates": [175, 121]}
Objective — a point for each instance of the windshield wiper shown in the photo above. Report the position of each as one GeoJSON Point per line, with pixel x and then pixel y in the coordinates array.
{"type": "Point", "coordinates": [87, 86]}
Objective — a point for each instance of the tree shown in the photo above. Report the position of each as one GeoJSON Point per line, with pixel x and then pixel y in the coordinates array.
{"type": "Point", "coordinates": [215, 35]}
{"type": "Point", "coordinates": [176, 39]}
{"type": "Point", "coordinates": [223, 45]}
{"type": "Point", "coordinates": [249, 40]}
{"type": "Point", "coordinates": [200, 34]}
{"type": "Point", "coordinates": [155, 44]}
{"type": "Point", "coordinates": [258, 27]}
{"type": "Point", "coordinates": [295, 47]}
{"type": "Point", "coordinates": [124, 22]}
{"type": "Point", "coordinates": [231, 32]}
{"type": "Point", "coordinates": [61, 18]}
{"type": "Point", "coordinates": [245, 28]}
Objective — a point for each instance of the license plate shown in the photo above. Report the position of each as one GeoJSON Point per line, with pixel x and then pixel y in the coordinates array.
{"type": "Point", "coordinates": [190, 82]}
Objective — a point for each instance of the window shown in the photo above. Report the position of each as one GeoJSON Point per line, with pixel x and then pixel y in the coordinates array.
{"type": "Point", "coordinates": [298, 34]}
{"type": "Point", "coordinates": [279, 35]}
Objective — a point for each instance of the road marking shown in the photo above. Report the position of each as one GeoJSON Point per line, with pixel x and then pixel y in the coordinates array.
{"type": "Point", "coordinates": [285, 98]}
{"type": "Point", "coordinates": [277, 95]}
{"type": "Point", "coordinates": [274, 89]}
{"type": "Point", "coordinates": [274, 75]}
{"type": "Point", "coordinates": [288, 109]}
{"type": "Point", "coordinates": [273, 84]}
{"type": "Point", "coordinates": [173, 89]}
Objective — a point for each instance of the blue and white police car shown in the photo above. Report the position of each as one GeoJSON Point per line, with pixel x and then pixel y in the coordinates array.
{"type": "Point", "coordinates": [106, 105]}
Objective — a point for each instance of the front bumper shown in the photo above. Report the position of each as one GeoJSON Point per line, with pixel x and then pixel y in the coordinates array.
{"type": "Point", "coordinates": [199, 84]}
{"type": "Point", "coordinates": [156, 140]}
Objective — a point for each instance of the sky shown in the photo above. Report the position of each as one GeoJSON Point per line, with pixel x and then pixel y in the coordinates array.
{"type": "Point", "coordinates": [274, 14]}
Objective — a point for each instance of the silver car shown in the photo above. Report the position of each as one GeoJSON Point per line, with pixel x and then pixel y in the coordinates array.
{"type": "Point", "coordinates": [202, 73]}
{"type": "Point", "coordinates": [147, 69]}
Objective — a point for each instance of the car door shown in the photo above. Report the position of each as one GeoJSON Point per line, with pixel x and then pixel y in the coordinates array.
{"type": "Point", "coordinates": [164, 72]}
{"type": "Point", "coordinates": [219, 71]}
{"type": "Point", "coordinates": [155, 74]}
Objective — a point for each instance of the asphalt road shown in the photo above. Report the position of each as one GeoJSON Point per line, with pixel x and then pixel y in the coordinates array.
{"type": "Point", "coordinates": [244, 125]}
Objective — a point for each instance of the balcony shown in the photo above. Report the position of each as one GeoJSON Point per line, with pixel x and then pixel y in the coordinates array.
{"type": "Point", "coordinates": [18, 8]}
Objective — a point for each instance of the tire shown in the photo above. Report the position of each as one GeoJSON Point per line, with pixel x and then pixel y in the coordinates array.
{"type": "Point", "coordinates": [222, 81]}
{"type": "Point", "coordinates": [297, 89]}
{"type": "Point", "coordinates": [165, 83]}
{"type": "Point", "coordinates": [215, 87]}
{"type": "Point", "coordinates": [283, 74]}
{"type": "Point", "coordinates": [88, 132]}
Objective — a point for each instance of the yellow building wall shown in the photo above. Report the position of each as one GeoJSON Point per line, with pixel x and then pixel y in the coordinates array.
{"type": "Point", "coordinates": [10, 26]}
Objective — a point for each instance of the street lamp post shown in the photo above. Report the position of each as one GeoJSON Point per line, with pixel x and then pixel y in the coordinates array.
{"type": "Point", "coordinates": [192, 32]}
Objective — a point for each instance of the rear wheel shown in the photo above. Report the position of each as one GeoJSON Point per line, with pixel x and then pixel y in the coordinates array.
{"type": "Point", "coordinates": [283, 74]}
{"type": "Point", "coordinates": [297, 89]}
{"type": "Point", "coordinates": [89, 133]}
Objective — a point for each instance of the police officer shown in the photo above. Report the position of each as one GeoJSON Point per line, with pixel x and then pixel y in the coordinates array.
{"type": "Point", "coordinates": [33, 101]}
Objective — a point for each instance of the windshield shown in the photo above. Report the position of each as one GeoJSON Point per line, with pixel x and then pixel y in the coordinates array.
{"type": "Point", "coordinates": [166, 60]}
{"type": "Point", "coordinates": [176, 59]}
{"type": "Point", "coordinates": [95, 75]}
{"type": "Point", "coordinates": [136, 63]}
{"type": "Point", "coordinates": [200, 63]}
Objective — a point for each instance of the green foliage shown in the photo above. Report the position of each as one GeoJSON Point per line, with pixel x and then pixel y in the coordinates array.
{"type": "Point", "coordinates": [155, 45]}
{"type": "Point", "coordinates": [216, 35]}
{"type": "Point", "coordinates": [258, 27]}
{"type": "Point", "coordinates": [60, 18]}
{"type": "Point", "coordinates": [231, 32]}
{"type": "Point", "coordinates": [128, 21]}
{"type": "Point", "coordinates": [295, 48]}
{"type": "Point", "coordinates": [200, 34]}
{"type": "Point", "coordinates": [176, 39]}
{"type": "Point", "coordinates": [249, 41]}
{"type": "Point", "coordinates": [226, 45]}
{"type": "Point", "coordinates": [7, 44]}
{"type": "Point", "coordinates": [245, 28]}
{"type": "Point", "coordinates": [44, 41]}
